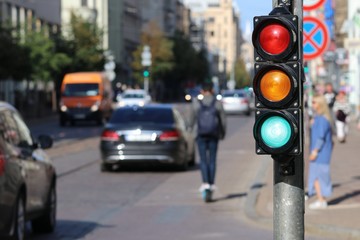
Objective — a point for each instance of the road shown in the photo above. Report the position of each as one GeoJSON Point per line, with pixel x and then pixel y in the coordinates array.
{"type": "Point", "coordinates": [146, 202]}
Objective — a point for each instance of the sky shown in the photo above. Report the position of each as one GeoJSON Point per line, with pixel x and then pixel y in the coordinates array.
{"type": "Point", "coordinates": [250, 8]}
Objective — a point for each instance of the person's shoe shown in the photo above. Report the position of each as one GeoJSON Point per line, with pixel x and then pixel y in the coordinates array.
{"type": "Point", "coordinates": [203, 187]}
{"type": "Point", "coordinates": [213, 188]}
{"type": "Point", "coordinates": [207, 195]}
{"type": "Point", "coordinates": [318, 205]}
{"type": "Point", "coordinates": [306, 197]}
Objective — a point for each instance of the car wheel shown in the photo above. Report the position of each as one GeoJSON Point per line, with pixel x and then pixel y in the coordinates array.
{"type": "Point", "coordinates": [192, 160]}
{"type": "Point", "coordinates": [105, 167]}
{"type": "Point", "coordinates": [47, 222]}
{"type": "Point", "coordinates": [19, 220]}
{"type": "Point", "coordinates": [184, 165]}
{"type": "Point", "coordinates": [62, 121]}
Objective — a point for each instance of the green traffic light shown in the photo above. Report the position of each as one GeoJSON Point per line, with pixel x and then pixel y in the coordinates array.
{"type": "Point", "coordinates": [146, 73]}
{"type": "Point", "coordinates": [275, 132]}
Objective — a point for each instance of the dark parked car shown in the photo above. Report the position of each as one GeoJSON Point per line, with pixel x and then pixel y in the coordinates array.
{"type": "Point", "coordinates": [152, 133]}
{"type": "Point", "coordinates": [27, 178]}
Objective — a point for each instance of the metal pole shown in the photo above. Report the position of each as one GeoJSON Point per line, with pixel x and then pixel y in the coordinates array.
{"type": "Point", "coordinates": [289, 199]}
{"type": "Point", "coordinates": [146, 84]}
{"type": "Point", "coordinates": [289, 175]}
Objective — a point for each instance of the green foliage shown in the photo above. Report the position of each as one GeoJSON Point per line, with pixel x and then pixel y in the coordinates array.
{"type": "Point", "coordinates": [173, 59]}
{"type": "Point", "coordinates": [14, 59]}
{"type": "Point", "coordinates": [161, 53]}
{"type": "Point", "coordinates": [242, 77]}
{"type": "Point", "coordinates": [45, 61]}
{"type": "Point", "coordinates": [84, 45]}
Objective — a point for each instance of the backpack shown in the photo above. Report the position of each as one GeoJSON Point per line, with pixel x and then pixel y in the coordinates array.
{"type": "Point", "coordinates": [208, 120]}
{"type": "Point", "coordinates": [341, 116]}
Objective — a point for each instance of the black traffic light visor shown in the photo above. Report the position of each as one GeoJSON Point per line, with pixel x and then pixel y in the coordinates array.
{"type": "Point", "coordinates": [288, 147]}
{"type": "Point", "coordinates": [287, 22]}
{"type": "Point", "coordinates": [269, 80]}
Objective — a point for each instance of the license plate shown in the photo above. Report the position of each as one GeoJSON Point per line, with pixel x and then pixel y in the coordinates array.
{"type": "Point", "coordinates": [79, 116]}
{"type": "Point", "coordinates": [138, 138]}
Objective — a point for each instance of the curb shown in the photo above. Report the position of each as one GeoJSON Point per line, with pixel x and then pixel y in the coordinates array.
{"type": "Point", "coordinates": [335, 232]}
{"type": "Point", "coordinates": [253, 194]}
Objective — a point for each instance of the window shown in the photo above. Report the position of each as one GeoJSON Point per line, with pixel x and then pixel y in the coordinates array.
{"type": "Point", "coordinates": [142, 115]}
{"type": "Point", "coordinates": [212, 33]}
{"type": "Point", "coordinates": [11, 133]}
{"type": "Point", "coordinates": [81, 89]}
{"type": "Point", "coordinates": [211, 19]}
{"type": "Point", "coordinates": [84, 3]}
{"type": "Point", "coordinates": [24, 132]}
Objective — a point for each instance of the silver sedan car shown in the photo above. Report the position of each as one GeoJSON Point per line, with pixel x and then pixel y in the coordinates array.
{"type": "Point", "coordinates": [236, 102]}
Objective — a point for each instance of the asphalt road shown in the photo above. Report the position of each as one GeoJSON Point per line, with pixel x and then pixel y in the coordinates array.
{"type": "Point", "coordinates": [150, 203]}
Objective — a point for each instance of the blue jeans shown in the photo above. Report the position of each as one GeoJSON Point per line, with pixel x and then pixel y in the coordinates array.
{"type": "Point", "coordinates": [207, 152]}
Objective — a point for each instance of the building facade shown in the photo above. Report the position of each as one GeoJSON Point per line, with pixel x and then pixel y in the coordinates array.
{"type": "Point", "coordinates": [352, 44]}
{"type": "Point", "coordinates": [120, 21]}
{"type": "Point", "coordinates": [219, 21]}
{"type": "Point", "coordinates": [31, 15]}
{"type": "Point", "coordinates": [163, 12]}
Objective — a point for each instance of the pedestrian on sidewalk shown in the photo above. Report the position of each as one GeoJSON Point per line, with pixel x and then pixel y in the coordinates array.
{"type": "Point", "coordinates": [210, 119]}
{"type": "Point", "coordinates": [342, 110]}
{"type": "Point", "coordinates": [321, 146]}
{"type": "Point", "coordinates": [330, 95]}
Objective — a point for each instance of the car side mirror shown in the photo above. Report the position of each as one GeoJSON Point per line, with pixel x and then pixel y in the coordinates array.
{"type": "Point", "coordinates": [45, 141]}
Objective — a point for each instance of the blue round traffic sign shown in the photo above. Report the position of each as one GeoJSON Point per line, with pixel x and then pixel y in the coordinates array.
{"type": "Point", "coordinates": [316, 37]}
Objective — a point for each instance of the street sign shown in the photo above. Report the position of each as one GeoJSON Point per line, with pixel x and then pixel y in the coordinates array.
{"type": "Point", "coordinates": [312, 4]}
{"type": "Point", "coordinates": [110, 66]}
{"type": "Point", "coordinates": [146, 57]}
{"type": "Point", "coordinates": [316, 37]}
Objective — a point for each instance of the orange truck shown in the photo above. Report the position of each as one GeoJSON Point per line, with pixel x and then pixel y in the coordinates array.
{"type": "Point", "coordinates": [85, 96]}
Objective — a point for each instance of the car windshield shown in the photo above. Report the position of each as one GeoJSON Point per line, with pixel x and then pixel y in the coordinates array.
{"type": "Point", "coordinates": [234, 94]}
{"type": "Point", "coordinates": [133, 95]}
{"type": "Point", "coordinates": [142, 115]}
{"type": "Point", "coordinates": [81, 89]}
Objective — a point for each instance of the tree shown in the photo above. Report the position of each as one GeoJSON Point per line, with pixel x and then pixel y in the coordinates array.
{"type": "Point", "coordinates": [44, 59]}
{"type": "Point", "coordinates": [85, 44]}
{"type": "Point", "coordinates": [190, 65]}
{"type": "Point", "coordinates": [14, 59]}
{"type": "Point", "coordinates": [242, 77]}
{"type": "Point", "coordinates": [161, 53]}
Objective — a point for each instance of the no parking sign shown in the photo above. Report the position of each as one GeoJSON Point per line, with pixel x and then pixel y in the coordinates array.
{"type": "Point", "coordinates": [316, 37]}
{"type": "Point", "coordinates": [312, 4]}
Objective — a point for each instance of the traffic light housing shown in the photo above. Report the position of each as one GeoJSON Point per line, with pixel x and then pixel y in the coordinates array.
{"type": "Point", "coordinates": [277, 83]}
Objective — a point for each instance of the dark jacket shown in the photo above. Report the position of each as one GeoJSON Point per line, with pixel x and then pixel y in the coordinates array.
{"type": "Point", "coordinates": [207, 100]}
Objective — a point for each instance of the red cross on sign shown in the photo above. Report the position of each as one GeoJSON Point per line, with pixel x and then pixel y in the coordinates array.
{"type": "Point", "coordinates": [316, 37]}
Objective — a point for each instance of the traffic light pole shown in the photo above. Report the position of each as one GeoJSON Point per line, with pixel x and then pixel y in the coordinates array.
{"type": "Point", "coordinates": [289, 174]}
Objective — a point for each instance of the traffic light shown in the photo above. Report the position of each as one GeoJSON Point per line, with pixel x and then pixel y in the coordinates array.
{"type": "Point", "coordinates": [146, 73]}
{"type": "Point", "coordinates": [277, 83]}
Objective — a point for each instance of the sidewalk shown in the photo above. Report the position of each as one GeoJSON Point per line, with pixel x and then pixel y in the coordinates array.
{"type": "Point", "coordinates": [341, 220]}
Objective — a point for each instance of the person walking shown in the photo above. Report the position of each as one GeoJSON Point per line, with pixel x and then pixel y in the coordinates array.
{"type": "Point", "coordinates": [330, 95]}
{"type": "Point", "coordinates": [321, 146]}
{"type": "Point", "coordinates": [209, 120]}
{"type": "Point", "coordinates": [341, 109]}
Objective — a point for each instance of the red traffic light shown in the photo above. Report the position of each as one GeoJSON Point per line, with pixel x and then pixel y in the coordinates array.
{"type": "Point", "coordinates": [275, 38]}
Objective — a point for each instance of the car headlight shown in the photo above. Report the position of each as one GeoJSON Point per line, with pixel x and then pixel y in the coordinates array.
{"type": "Point", "coordinates": [122, 104]}
{"type": "Point", "coordinates": [141, 103]}
{"type": "Point", "coordinates": [63, 108]}
{"type": "Point", "coordinates": [95, 107]}
{"type": "Point", "coordinates": [187, 97]}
